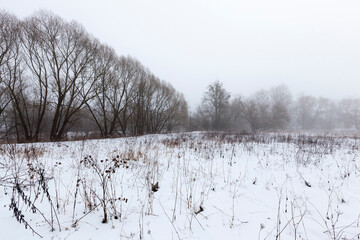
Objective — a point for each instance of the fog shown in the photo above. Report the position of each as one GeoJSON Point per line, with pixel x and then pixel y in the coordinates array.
{"type": "Point", "coordinates": [311, 46]}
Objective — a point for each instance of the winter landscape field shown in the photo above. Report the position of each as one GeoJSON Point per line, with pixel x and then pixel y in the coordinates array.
{"type": "Point", "coordinates": [201, 185]}
{"type": "Point", "coordinates": [179, 120]}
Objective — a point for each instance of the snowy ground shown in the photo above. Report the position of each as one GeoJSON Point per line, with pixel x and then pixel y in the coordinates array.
{"type": "Point", "coordinates": [210, 186]}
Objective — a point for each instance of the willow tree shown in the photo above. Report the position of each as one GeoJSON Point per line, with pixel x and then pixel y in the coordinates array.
{"type": "Point", "coordinates": [12, 85]}
{"type": "Point", "coordinates": [64, 53]}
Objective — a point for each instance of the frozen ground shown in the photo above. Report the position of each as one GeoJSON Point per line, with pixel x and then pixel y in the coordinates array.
{"type": "Point", "coordinates": [210, 186]}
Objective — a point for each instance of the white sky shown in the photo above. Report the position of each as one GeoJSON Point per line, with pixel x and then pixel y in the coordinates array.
{"type": "Point", "coordinates": [313, 46]}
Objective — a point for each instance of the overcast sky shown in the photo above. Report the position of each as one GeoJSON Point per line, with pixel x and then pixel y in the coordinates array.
{"type": "Point", "coordinates": [313, 46]}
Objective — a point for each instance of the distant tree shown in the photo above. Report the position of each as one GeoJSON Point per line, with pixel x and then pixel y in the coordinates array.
{"type": "Point", "coordinates": [180, 121]}
{"type": "Point", "coordinates": [326, 114]}
{"type": "Point", "coordinates": [350, 113]}
{"type": "Point", "coordinates": [165, 105]}
{"type": "Point", "coordinates": [237, 110]}
{"type": "Point", "coordinates": [305, 112]}
{"type": "Point", "coordinates": [257, 111]}
{"type": "Point", "coordinates": [319, 113]}
{"type": "Point", "coordinates": [199, 120]}
{"type": "Point", "coordinates": [280, 100]}
{"type": "Point", "coordinates": [213, 111]}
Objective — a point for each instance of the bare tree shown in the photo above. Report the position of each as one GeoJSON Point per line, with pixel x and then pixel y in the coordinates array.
{"type": "Point", "coordinates": [257, 111]}
{"type": "Point", "coordinates": [214, 106]}
{"type": "Point", "coordinates": [15, 82]}
{"type": "Point", "coordinates": [237, 110]}
{"type": "Point", "coordinates": [326, 114]}
{"type": "Point", "coordinates": [280, 107]}
{"type": "Point", "coordinates": [165, 107]}
{"type": "Point", "coordinates": [130, 75]}
{"type": "Point", "coordinates": [37, 76]}
{"type": "Point", "coordinates": [114, 91]}
{"type": "Point", "coordinates": [104, 106]}
{"type": "Point", "coordinates": [66, 51]}
{"type": "Point", "coordinates": [9, 55]}
{"type": "Point", "coordinates": [180, 120]}
{"type": "Point", "coordinates": [145, 88]}
{"type": "Point", "coordinates": [155, 105]}
{"type": "Point", "coordinates": [54, 74]}
{"type": "Point", "coordinates": [305, 112]}
{"type": "Point", "coordinates": [350, 112]}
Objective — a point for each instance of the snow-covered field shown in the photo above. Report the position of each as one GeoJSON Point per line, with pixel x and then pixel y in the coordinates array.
{"type": "Point", "coordinates": [183, 186]}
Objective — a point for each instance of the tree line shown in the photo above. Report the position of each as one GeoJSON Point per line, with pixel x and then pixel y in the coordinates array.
{"type": "Point", "coordinates": [272, 109]}
{"type": "Point", "coordinates": [55, 78]}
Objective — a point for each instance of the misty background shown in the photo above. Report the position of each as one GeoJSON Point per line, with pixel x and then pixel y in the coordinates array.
{"type": "Point", "coordinates": [311, 46]}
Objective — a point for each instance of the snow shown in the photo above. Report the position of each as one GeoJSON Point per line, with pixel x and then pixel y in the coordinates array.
{"type": "Point", "coordinates": [260, 186]}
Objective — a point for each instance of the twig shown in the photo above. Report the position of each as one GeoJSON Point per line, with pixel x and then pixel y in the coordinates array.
{"type": "Point", "coordinates": [177, 233]}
